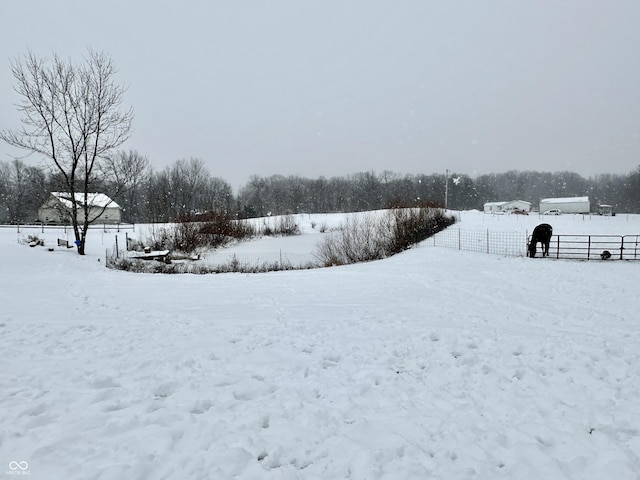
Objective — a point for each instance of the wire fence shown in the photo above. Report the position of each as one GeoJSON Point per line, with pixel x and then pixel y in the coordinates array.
{"type": "Point", "coordinates": [515, 244]}
{"type": "Point", "coordinates": [485, 241]}
{"type": "Point", "coordinates": [41, 227]}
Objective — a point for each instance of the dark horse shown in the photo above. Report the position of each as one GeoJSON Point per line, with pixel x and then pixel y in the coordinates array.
{"type": "Point", "coordinates": [542, 233]}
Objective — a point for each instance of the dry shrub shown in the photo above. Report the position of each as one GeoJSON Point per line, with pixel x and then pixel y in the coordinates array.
{"type": "Point", "coordinates": [285, 225]}
{"type": "Point", "coordinates": [212, 230]}
{"type": "Point", "coordinates": [220, 226]}
{"type": "Point", "coordinates": [367, 238]}
{"type": "Point", "coordinates": [414, 225]}
{"type": "Point", "coordinates": [161, 238]}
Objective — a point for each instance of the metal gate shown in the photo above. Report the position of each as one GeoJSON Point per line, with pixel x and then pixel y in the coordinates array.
{"type": "Point", "coordinates": [594, 247]}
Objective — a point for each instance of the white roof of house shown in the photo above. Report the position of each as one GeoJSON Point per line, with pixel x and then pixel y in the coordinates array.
{"type": "Point", "coordinates": [565, 200]}
{"type": "Point", "coordinates": [99, 200]}
{"type": "Point", "coordinates": [507, 203]}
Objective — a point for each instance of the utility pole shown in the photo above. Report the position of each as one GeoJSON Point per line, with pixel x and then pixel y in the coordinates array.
{"type": "Point", "coordinates": [446, 189]}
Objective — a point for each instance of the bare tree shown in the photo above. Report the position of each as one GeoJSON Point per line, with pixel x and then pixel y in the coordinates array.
{"type": "Point", "coordinates": [71, 116]}
{"type": "Point", "coordinates": [188, 184]}
{"type": "Point", "coordinates": [22, 191]}
{"type": "Point", "coordinates": [158, 198]}
{"type": "Point", "coordinates": [126, 174]}
{"type": "Point", "coordinates": [219, 196]}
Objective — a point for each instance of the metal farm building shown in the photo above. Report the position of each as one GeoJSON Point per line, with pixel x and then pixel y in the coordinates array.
{"type": "Point", "coordinates": [566, 205]}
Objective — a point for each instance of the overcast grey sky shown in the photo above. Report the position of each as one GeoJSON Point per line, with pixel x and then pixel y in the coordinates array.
{"type": "Point", "coordinates": [328, 87]}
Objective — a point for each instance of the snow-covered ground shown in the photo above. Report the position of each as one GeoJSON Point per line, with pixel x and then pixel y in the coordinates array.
{"type": "Point", "coordinates": [435, 363]}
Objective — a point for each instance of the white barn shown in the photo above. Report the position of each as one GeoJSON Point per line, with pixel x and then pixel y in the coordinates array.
{"type": "Point", "coordinates": [566, 205]}
{"type": "Point", "coordinates": [57, 208]}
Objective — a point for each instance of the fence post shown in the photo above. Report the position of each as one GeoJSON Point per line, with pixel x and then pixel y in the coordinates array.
{"type": "Point", "coordinates": [589, 248]}
{"type": "Point", "coordinates": [117, 256]}
{"type": "Point", "coordinates": [459, 240]}
{"type": "Point", "coordinates": [487, 240]}
{"type": "Point", "coordinates": [622, 247]}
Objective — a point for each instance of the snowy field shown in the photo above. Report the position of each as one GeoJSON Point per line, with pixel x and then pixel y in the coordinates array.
{"type": "Point", "coordinates": [435, 363]}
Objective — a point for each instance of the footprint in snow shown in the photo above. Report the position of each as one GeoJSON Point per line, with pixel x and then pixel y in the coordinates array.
{"type": "Point", "coordinates": [165, 390]}
{"type": "Point", "coordinates": [330, 361]}
{"type": "Point", "coordinates": [201, 407]}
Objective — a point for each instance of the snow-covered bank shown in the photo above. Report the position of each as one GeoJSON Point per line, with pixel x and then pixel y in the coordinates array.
{"type": "Point", "coordinates": [431, 364]}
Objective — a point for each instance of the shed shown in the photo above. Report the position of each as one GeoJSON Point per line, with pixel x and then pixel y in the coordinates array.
{"type": "Point", "coordinates": [606, 210]}
{"type": "Point", "coordinates": [566, 205]}
{"type": "Point", "coordinates": [57, 208]}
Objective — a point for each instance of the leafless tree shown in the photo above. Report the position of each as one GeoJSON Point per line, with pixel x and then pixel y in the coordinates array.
{"type": "Point", "coordinates": [188, 183]}
{"type": "Point", "coordinates": [126, 175]}
{"type": "Point", "coordinates": [72, 116]}
{"type": "Point", "coordinates": [22, 191]}
{"type": "Point", "coordinates": [186, 190]}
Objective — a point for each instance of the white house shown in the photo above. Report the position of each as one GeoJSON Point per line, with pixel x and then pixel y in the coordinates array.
{"type": "Point", "coordinates": [566, 205]}
{"type": "Point", "coordinates": [516, 205]}
{"type": "Point", "coordinates": [57, 208]}
{"type": "Point", "coordinates": [493, 207]}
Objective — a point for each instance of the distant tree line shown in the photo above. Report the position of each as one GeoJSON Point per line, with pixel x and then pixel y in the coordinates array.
{"type": "Point", "coordinates": [369, 191]}
{"type": "Point", "coordinates": [187, 189]}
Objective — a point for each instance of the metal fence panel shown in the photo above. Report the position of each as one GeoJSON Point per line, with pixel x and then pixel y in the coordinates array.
{"type": "Point", "coordinates": [631, 247]}
{"type": "Point", "coordinates": [484, 241]}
